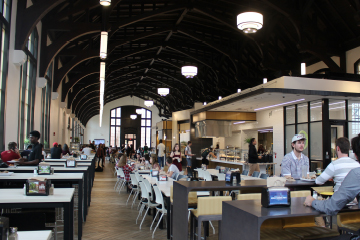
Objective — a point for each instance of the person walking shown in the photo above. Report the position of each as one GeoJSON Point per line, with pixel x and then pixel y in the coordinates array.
{"type": "Point", "coordinates": [161, 153]}
{"type": "Point", "coordinates": [253, 157]}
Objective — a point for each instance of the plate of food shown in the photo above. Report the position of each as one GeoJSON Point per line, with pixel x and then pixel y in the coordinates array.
{"type": "Point", "coordinates": [13, 161]}
{"type": "Point", "coordinates": [308, 179]}
{"type": "Point", "coordinates": [5, 173]}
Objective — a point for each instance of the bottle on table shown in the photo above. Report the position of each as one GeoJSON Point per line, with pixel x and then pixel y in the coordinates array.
{"type": "Point", "coordinates": [234, 180]}
{"type": "Point", "coordinates": [315, 195]}
{"type": "Point", "coordinates": [13, 234]}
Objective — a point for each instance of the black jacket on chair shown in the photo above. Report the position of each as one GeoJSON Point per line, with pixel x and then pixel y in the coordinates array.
{"type": "Point", "coordinates": [253, 156]}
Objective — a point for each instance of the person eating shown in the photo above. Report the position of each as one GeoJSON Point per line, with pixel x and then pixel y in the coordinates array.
{"type": "Point", "coordinates": [173, 170]}
{"type": "Point", "coordinates": [11, 154]}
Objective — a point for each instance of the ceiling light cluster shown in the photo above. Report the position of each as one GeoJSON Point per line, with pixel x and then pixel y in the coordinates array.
{"type": "Point", "coordinates": [250, 22]}
{"type": "Point", "coordinates": [105, 2]}
{"type": "Point", "coordinates": [163, 91]}
{"type": "Point", "coordinates": [189, 71]}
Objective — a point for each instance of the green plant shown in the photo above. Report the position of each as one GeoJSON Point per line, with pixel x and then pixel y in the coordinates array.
{"type": "Point", "coordinates": [76, 139]}
{"type": "Point", "coordinates": [183, 143]}
{"type": "Point", "coordinates": [248, 140]}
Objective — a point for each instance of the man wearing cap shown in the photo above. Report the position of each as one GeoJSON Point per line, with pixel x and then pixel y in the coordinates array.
{"type": "Point", "coordinates": [35, 155]}
{"type": "Point", "coordinates": [56, 152]}
{"type": "Point", "coordinates": [292, 163]}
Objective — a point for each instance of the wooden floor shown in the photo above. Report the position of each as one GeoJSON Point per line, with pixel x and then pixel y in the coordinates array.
{"type": "Point", "coordinates": [109, 217]}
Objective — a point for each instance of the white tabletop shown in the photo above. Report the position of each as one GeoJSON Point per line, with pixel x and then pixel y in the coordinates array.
{"type": "Point", "coordinates": [11, 169]}
{"type": "Point", "coordinates": [215, 172]}
{"type": "Point", "coordinates": [164, 186]}
{"type": "Point", "coordinates": [35, 235]}
{"type": "Point", "coordinates": [63, 164]}
{"type": "Point", "coordinates": [16, 195]}
{"type": "Point", "coordinates": [51, 177]}
{"type": "Point", "coordinates": [64, 160]}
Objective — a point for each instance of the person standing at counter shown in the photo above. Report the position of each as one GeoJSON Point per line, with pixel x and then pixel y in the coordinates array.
{"type": "Point", "coordinates": [35, 155]}
{"type": "Point", "coordinates": [176, 156]}
{"type": "Point", "coordinates": [205, 153]}
{"type": "Point", "coordinates": [161, 153]}
{"type": "Point", "coordinates": [253, 157]}
{"type": "Point", "coordinates": [292, 163]}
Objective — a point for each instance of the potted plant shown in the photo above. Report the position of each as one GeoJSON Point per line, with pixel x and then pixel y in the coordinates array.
{"type": "Point", "coordinates": [26, 143]}
{"type": "Point", "coordinates": [76, 139]}
{"type": "Point", "coordinates": [248, 140]}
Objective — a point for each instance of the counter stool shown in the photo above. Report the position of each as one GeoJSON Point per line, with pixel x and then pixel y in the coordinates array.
{"type": "Point", "coordinates": [349, 222]}
{"type": "Point", "coordinates": [209, 208]}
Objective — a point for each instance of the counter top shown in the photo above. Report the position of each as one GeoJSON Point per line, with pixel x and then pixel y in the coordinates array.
{"type": "Point", "coordinates": [234, 163]}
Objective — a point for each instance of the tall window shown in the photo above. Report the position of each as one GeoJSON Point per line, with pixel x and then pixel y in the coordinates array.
{"type": "Point", "coordinates": [145, 127]}
{"type": "Point", "coordinates": [45, 109]}
{"type": "Point", "coordinates": [28, 88]}
{"type": "Point", "coordinates": [115, 126]}
{"type": "Point", "coordinates": [5, 9]}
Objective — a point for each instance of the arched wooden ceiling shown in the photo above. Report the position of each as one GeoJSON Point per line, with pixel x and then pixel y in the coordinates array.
{"type": "Point", "coordinates": [149, 42]}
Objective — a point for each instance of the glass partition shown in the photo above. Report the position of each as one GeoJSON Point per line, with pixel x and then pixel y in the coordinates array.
{"type": "Point", "coordinates": [316, 140]}
{"type": "Point", "coordinates": [316, 111]}
{"type": "Point", "coordinates": [290, 114]}
{"type": "Point", "coordinates": [337, 109]}
{"type": "Point", "coordinates": [302, 112]}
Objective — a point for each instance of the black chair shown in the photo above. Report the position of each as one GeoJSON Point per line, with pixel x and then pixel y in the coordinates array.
{"type": "Point", "coordinates": [255, 174]}
{"type": "Point", "coordinates": [264, 176]}
{"type": "Point", "coordinates": [245, 172]}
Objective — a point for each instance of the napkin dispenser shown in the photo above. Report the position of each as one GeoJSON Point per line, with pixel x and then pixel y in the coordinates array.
{"type": "Point", "coordinates": [44, 169]}
{"type": "Point", "coordinates": [275, 197]}
{"type": "Point", "coordinates": [162, 178]}
{"type": "Point", "coordinates": [38, 187]}
{"type": "Point", "coordinates": [230, 176]}
{"type": "Point", "coordinates": [70, 162]}
{"type": "Point", "coordinates": [4, 228]}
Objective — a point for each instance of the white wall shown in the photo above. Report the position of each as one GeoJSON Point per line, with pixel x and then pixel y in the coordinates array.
{"type": "Point", "coordinates": [93, 131]}
{"type": "Point", "coordinates": [178, 116]}
{"type": "Point", "coordinates": [319, 65]}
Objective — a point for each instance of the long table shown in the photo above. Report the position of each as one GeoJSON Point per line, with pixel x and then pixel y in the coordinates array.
{"type": "Point", "coordinates": [72, 178]}
{"type": "Point", "coordinates": [182, 189]}
{"type": "Point", "coordinates": [62, 198]}
{"type": "Point", "coordinates": [35, 235]}
{"type": "Point", "coordinates": [244, 218]}
{"type": "Point", "coordinates": [87, 178]}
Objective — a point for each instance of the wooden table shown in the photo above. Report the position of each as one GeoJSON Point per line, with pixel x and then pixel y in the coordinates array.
{"type": "Point", "coordinates": [182, 189]}
{"type": "Point", "coordinates": [62, 198]}
{"type": "Point", "coordinates": [35, 235]}
{"type": "Point", "coordinates": [72, 178]}
{"type": "Point", "coordinates": [244, 218]}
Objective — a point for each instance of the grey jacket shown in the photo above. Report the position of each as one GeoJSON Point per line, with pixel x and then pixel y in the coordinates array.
{"type": "Point", "coordinates": [349, 189]}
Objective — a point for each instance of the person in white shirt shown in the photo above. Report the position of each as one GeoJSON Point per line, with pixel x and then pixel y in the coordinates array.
{"type": "Point", "coordinates": [161, 153]}
{"type": "Point", "coordinates": [87, 150]}
{"type": "Point", "coordinates": [173, 170]}
{"type": "Point", "coordinates": [339, 168]}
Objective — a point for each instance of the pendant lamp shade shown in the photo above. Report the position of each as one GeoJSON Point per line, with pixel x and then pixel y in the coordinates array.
{"type": "Point", "coordinates": [163, 91]}
{"type": "Point", "coordinates": [138, 110]}
{"type": "Point", "coordinates": [149, 103]}
{"type": "Point", "coordinates": [250, 22]}
{"type": "Point", "coordinates": [103, 44]}
{"type": "Point", "coordinates": [133, 116]}
{"type": "Point", "coordinates": [105, 2]}
{"type": "Point", "coordinates": [189, 71]}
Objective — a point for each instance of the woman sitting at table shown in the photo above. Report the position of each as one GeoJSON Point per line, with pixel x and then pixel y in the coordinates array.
{"type": "Point", "coordinates": [154, 164]}
{"type": "Point", "coordinates": [126, 168]}
{"type": "Point", "coordinates": [176, 156]}
{"type": "Point", "coordinates": [172, 168]}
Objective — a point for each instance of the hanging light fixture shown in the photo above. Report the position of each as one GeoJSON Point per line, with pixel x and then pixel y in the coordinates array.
{"type": "Point", "coordinates": [189, 71]}
{"type": "Point", "coordinates": [220, 97]}
{"type": "Point", "coordinates": [264, 80]}
{"type": "Point", "coordinates": [204, 103]}
{"type": "Point", "coordinates": [250, 22]}
{"type": "Point", "coordinates": [105, 2]}
{"type": "Point", "coordinates": [103, 44]}
{"type": "Point", "coordinates": [239, 90]}
{"type": "Point", "coordinates": [138, 111]}
{"type": "Point", "coordinates": [303, 68]}
{"type": "Point", "coordinates": [163, 91]}
{"type": "Point", "coordinates": [102, 71]}
{"type": "Point", "coordinates": [133, 116]}
{"type": "Point", "coordinates": [149, 103]}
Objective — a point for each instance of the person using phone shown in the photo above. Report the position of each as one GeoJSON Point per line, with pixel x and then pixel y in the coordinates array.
{"type": "Point", "coordinates": [11, 154]}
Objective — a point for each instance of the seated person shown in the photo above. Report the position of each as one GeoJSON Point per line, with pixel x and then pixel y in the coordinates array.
{"type": "Point", "coordinates": [25, 153]}
{"type": "Point", "coordinates": [36, 154]}
{"type": "Point", "coordinates": [339, 168]}
{"type": "Point", "coordinates": [87, 150]}
{"type": "Point", "coordinates": [11, 154]}
{"type": "Point", "coordinates": [56, 152]}
{"type": "Point", "coordinates": [172, 168]}
{"type": "Point", "coordinates": [155, 165]}
{"type": "Point", "coordinates": [126, 168]}
{"type": "Point", "coordinates": [349, 189]}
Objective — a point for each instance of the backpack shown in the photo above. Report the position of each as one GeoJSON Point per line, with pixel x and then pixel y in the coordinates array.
{"type": "Point", "coordinates": [205, 153]}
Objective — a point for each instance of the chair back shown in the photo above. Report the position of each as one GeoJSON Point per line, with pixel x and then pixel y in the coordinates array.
{"type": "Point", "coordinates": [144, 192]}
{"type": "Point", "coordinates": [245, 172]}
{"type": "Point", "coordinates": [302, 193]}
{"type": "Point", "coordinates": [211, 205]}
{"type": "Point", "coordinates": [217, 167]}
{"type": "Point", "coordinates": [200, 173]}
{"type": "Point", "coordinates": [255, 174]}
{"type": "Point", "coordinates": [137, 175]}
{"type": "Point", "coordinates": [207, 176]}
{"type": "Point", "coordinates": [118, 172]}
{"type": "Point", "coordinates": [121, 172]}
{"type": "Point", "coordinates": [249, 196]}
{"type": "Point", "coordinates": [221, 177]}
{"type": "Point", "coordinates": [159, 197]}
{"type": "Point", "coordinates": [134, 181]}
{"type": "Point", "coordinates": [148, 188]}
{"type": "Point", "coordinates": [264, 176]}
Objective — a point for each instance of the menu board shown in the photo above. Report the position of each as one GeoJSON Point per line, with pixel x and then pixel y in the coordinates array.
{"type": "Point", "coordinates": [44, 169]}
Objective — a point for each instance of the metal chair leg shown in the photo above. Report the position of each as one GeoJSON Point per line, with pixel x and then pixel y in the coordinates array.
{"type": "Point", "coordinates": [144, 217]}
{"type": "Point", "coordinates": [129, 196]}
{"type": "Point", "coordinates": [140, 212]}
{"type": "Point", "coordinates": [157, 224]}
{"type": "Point", "coordinates": [157, 212]}
{"type": "Point", "coordinates": [212, 227]}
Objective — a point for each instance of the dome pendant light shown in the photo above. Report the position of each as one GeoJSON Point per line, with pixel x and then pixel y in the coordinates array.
{"type": "Point", "coordinates": [138, 110]}
{"type": "Point", "coordinates": [163, 91]}
{"type": "Point", "coordinates": [105, 2]}
{"type": "Point", "coordinates": [149, 103]}
{"type": "Point", "coordinates": [250, 22]}
{"type": "Point", "coordinates": [189, 71]}
{"type": "Point", "coordinates": [103, 44]}
{"type": "Point", "coordinates": [133, 116]}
